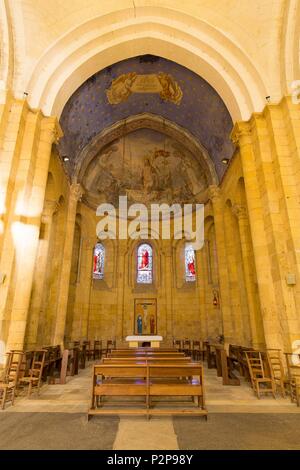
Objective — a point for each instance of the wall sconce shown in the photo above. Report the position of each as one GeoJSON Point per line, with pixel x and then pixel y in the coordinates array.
{"type": "Point", "coordinates": [215, 298]}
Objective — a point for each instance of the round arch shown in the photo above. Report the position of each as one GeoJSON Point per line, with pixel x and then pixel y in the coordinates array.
{"type": "Point", "coordinates": [107, 39]}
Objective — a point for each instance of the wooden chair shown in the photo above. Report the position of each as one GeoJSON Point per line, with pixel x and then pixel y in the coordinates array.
{"type": "Point", "coordinates": [292, 381]}
{"type": "Point", "coordinates": [187, 348]}
{"type": "Point", "coordinates": [110, 345]}
{"type": "Point", "coordinates": [276, 365]}
{"type": "Point", "coordinates": [197, 351]}
{"type": "Point", "coordinates": [82, 356]}
{"type": "Point", "coordinates": [295, 384]}
{"type": "Point", "coordinates": [10, 377]}
{"type": "Point", "coordinates": [97, 349]}
{"type": "Point", "coordinates": [35, 374]}
{"type": "Point", "coordinates": [256, 361]}
{"type": "Point", "coordinates": [177, 343]}
{"type": "Point", "coordinates": [211, 356]}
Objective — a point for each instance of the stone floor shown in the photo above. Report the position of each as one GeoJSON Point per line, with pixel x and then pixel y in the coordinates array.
{"type": "Point", "coordinates": [237, 420]}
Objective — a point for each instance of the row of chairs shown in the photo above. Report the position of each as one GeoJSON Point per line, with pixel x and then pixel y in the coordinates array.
{"type": "Point", "coordinates": [192, 348]}
{"type": "Point", "coordinates": [31, 368]}
{"type": "Point", "coordinates": [94, 349]}
{"type": "Point", "coordinates": [268, 375]}
{"type": "Point", "coordinates": [22, 369]}
{"type": "Point", "coordinates": [262, 368]}
{"type": "Point", "coordinates": [265, 371]}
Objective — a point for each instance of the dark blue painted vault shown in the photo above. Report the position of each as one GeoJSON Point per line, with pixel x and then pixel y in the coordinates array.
{"type": "Point", "coordinates": [201, 111]}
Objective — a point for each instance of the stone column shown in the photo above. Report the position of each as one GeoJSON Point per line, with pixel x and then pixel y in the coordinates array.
{"type": "Point", "coordinates": [12, 132]}
{"type": "Point", "coordinates": [281, 121]}
{"type": "Point", "coordinates": [26, 231]}
{"type": "Point", "coordinates": [201, 291]}
{"type": "Point", "coordinates": [218, 209]}
{"type": "Point", "coordinates": [122, 256]}
{"type": "Point", "coordinates": [234, 281]}
{"type": "Point", "coordinates": [241, 135]}
{"type": "Point", "coordinates": [50, 208]}
{"type": "Point", "coordinates": [256, 324]}
{"type": "Point", "coordinates": [168, 283]}
{"type": "Point", "coordinates": [75, 195]}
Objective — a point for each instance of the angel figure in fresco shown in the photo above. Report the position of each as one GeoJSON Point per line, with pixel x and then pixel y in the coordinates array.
{"type": "Point", "coordinates": [171, 91]}
{"type": "Point", "coordinates": [120, 89]}
{"type": "Point", "coordinates": [139, 324]}
{"type": "Point", "coordinates": [191, 263]}
{"type": "Point", "coordinates": [144, 259]}
{"type": "Point", "coordinates": [149, 176]}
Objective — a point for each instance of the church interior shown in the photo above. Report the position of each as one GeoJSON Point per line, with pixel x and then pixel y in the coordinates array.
{"type": "Point", "coordinates": [145, 342]}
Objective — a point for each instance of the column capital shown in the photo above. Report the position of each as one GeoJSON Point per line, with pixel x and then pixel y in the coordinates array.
{"type": "Point", "coordinates": [240, 131]}
{"type": "Point", "coordinates": [213, 192]}
{"type": "Point", "coordinates": [51, 127]}
{"type": "Point", "coordinates": [76, 191]}
{"type": "Point", "coordinates": [240, 211]}
{"type": "Point", "coordinates": [50, 207]}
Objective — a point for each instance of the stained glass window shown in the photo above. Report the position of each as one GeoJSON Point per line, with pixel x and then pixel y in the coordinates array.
{"type": "Point", "coordinates": [144, 264]}
{"type": "Point", "coordinates": [98, 261]}
{"type": "Point", "coordinates": [190, 270]}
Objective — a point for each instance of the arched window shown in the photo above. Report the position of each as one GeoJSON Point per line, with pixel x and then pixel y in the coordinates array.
{"type": "Point", "coordinates": [190, 269]}
{"type": "Point", "coordinates": [98, 261]}
{"type": "Point", "coordinates": [144, 264]}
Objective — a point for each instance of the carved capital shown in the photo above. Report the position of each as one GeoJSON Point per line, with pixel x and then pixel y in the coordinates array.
{"type": "Point", "coordinates": [213, 193]}
{"type": "Point", "coordinates": [50, 208]}
{"type": "Point", "coordinates": [51, 130]}
{"type": "Point", "coordinates": [241, 133]}
{"type": "Point", "coordinates": [239, 211]}
{"type": "Point", "coordinates": [76, 192]}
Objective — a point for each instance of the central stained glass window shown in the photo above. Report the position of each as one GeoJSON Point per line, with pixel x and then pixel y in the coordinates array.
{"type": "Point", "coordinates": [144, 264]}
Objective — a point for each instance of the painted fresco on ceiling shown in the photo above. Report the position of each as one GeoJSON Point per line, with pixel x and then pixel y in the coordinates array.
{"type": "Point", "coordinates": [201, 110]}
{"type": "Point", "coordinates": [146, 166]}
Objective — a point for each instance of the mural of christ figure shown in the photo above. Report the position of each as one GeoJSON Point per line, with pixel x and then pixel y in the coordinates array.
{"type": "Point", "coordinates": [152, 325]}
{"type": "Point", "coordinates": [95, 262]}
{"type": "Point", "coordinates": [191, 266]}
{"type": "Point", "coordinates": [144, 260]}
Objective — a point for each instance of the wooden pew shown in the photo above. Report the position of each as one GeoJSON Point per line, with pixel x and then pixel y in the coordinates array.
{"type": "Point", "coordinates": [148, 348]}
{"type": "Point", "coordinates": [177, 380]}
{"type": "Point", "coordinates": [116, 353]}
{"type": "Point", "coordinates": [119, 380]}
{"type": "Point", "coordinates": [148, 380]}
{"type": "Point", "coordinates": [238, 358]}
{"type": "Point", "coordinates": [52, 364]}
{"type": "Point", "coordinates": [210, 355]}
{"type": "Point", "coordinates": [225, 367]}
{"type": "Point", "coordinates": [131, 360]}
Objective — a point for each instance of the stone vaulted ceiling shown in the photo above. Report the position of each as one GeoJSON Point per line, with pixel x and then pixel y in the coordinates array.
{"type": "Point", "coordinates": [200, 111]}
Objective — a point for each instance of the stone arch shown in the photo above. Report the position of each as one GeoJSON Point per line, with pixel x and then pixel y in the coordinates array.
{"type": "Point", "coordinates": [99, 43]}
{"type": "Point", "coordinates": [150, 121]}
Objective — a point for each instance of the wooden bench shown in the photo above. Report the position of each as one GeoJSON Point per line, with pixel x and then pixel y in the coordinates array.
{"type": "Point", "coordinates": [177, 380]}
{"type": "Point", "coordinates": [116, 353]}
{"type": "Point", "coordinates": [225, 367]}
{"type": "Point", "coordinates": [238, 358]}
{"type": "Point", "coordinates": [210, 355]}
{"type": "Point", "coordinates": [119, 380]}
{"type": "Point", "coordinates": [148, 380]}
{"type": "Point", "coordinates": [131, 360]}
